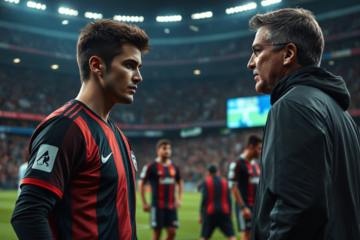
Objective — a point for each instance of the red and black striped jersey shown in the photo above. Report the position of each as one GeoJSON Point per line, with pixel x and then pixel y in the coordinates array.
{"type": "Point", "coordinates": [88, 163]}
{"type": "Point", "coordinates": [246, 175]}
{"type": "Point", "coordinates": [215, 196]}
{"type": "Point", "coordinates": [162, 179]}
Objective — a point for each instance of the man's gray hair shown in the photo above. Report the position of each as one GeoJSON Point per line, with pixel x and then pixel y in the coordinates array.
{"type": "Point", "coordinates": [293, 25]}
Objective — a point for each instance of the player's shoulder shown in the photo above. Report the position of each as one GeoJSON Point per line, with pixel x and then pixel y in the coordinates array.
{"type": "Point", "coordinates": [58, 122]}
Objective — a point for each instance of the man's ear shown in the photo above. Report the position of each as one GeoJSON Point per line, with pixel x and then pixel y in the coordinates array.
{"type": "Point", "coordinates": [97, 66]}
{"type": "Point", "coordinates": [290, 54]}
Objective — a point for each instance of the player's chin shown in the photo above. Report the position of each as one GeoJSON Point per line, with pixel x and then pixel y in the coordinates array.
{"type": "Point", "coordinates": [126, 99]}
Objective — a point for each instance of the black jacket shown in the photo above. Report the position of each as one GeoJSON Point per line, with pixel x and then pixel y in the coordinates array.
{"type": "Point", "coordinates": [310, 173]}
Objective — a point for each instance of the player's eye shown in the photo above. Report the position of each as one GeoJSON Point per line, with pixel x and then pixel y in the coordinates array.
{"type": "Point", "coordinates": [129, 65]}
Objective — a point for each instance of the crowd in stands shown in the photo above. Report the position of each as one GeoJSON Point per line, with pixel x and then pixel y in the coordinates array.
{"type": "Point", "coordinates": [331, 27]}
{"type": "Point", "coordinates": [13, 152]}
{"type": "Point", "coordinates": [193, 155]}
{"type": "Point", "coordinates": [156, 101]}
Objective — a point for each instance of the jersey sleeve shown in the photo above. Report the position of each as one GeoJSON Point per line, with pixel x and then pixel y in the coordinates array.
{"type": "Point", "coordinates": [233, 173]}
{"type": "Point", "coordinates": [146, 173]}
{"type": "Point", "coordinates": [57, 151]}
{"type": "Point", "coordinates": [178, 176]}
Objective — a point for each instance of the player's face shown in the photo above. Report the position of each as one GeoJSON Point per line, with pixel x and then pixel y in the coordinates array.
{"type": "Point", "coordinates": [257, 150]}
{"type": "Point", "coordinates": [267, 64]}
{"type": "Point", "coordinates": [164, 151]}
{"type": "Point", "coordinates": [122, 79]}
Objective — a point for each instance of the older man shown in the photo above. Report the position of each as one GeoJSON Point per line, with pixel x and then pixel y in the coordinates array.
{"type": "Point", "coordinates": [310, 173]}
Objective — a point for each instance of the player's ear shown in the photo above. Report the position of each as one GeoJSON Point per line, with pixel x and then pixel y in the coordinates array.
{"type": "Point", "coordinates": [96, 65]}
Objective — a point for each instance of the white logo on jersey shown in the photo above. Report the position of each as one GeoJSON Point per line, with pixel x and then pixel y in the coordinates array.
{"type": "Point", "coordinates": [254, 180]}
{"type": "Point", "coordinates": [104, 160]}
{"type": "Point", "coordinates": [45, 158]}
{"type": "Point", "coordinates": [167, 180]}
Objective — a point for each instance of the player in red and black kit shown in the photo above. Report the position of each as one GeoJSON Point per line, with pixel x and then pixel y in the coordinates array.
{"type": "Point", "coordinates": [163, 176]}
{"type": "Point", "coordinates": [243, 177]}
{"type": "Point", "coordinates": [215, 205]}
{"type": "Point", "coordinates": [80, 181]}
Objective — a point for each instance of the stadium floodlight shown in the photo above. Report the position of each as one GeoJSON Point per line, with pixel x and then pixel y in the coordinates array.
{"type": "Point", "coordinates": [175, 18]}
{"type": "Point", "coordinates": [197, 72]}
{"type": "Point", "coordinates": [65, 22]}
{"type": "Point", "coordinates": [16, 60]}
{"type": "Point", "coordinates": [54, 67]}
{"type": "Point", "coordinates": [194, 28]}
{"type": "Point", "coordinates": [269, 2]}
{"type": "Point", "coordinates": [242, 8]}
{"type": "Point", "coordinates": [202, 15]}
{"type": "Point", "coordinates": [32, 4]}
{"type": "Point", "coordinates": [128, 18]}
{"type": "Point", "coordinates": [68, 11]}
{"type": "Point", "coordinates": [166, 30]}
{"type": "Point", "coordinates": [13, 1]}
{"type": "Point", "coordinates": [93, 15]}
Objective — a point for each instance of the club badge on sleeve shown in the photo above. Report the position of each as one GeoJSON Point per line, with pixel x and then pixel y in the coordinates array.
{"type": "Point", "coordinates": [45, 158]}
{"type": "Point", "coordinates": [133, 158]}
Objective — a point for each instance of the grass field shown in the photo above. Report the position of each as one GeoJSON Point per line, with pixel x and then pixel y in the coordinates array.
{"type": "Point", "coordinates": [188, 216]}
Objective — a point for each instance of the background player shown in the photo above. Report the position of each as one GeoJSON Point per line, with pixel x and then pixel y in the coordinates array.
{"type": "Point", "coordinates": [244, 176]}
{"type": "Point", "coordinates": [80, 182]}
{"type": "Point", "coordinates": [163, 176]}
{"type": "Point", "coordinates": [215, 205]}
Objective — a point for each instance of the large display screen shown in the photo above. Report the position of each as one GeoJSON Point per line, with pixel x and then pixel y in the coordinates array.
{"type": "Point", "coordinates": [248, 111]}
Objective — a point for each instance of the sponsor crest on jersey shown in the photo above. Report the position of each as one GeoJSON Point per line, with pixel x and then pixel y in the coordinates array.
{"type": "Point", "coordinates": [45, 158]}
{"type": "Point", "coordinates": [133, 158]}
{"type": "Point", "coordinates": [172, 172]}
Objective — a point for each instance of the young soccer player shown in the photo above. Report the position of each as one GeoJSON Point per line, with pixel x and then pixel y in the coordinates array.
{"type": "Point", "coordinates": [80, 182]}
{"type": "Point", "coordinates": [215, 205]}
{"type": "Point", "coordinates": [244, 176]}
{"type": "Point", "coordinates": [164, 176]}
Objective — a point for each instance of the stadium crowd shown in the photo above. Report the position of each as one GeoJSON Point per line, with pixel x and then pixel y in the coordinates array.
{"type": "Point", "coordinates": [331, 27]}
{"type": "Point", "coordinates": [192, 154]}
{"type": "Point", "coordinates": [156, 101]}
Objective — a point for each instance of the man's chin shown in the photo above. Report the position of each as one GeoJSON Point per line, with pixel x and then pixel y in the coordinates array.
{"type": "Point", "coordinates": [126, 99]}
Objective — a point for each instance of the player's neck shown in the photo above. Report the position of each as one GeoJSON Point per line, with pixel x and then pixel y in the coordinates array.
{"type": "Point", "coordinates": [247, 155]}
{"type": "Point", "coordinates": [163, 160]}
{"type": "Point", "coordinates": [91, 95]}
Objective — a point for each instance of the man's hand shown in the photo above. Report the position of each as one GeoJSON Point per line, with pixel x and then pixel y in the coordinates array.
{"type": "Point", "coordinates": [200, 220]}
{"type": "Point", "coordinates": [146, 207]}
{"type": "Point", "coordinates": [246, 213]}
{"type": "Point", "coordinates": [178, 203]}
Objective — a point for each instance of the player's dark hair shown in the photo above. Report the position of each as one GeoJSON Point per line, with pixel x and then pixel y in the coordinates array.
{"type": "Point", "coordinates": [212, 169]}
{"type": "Point", "coordinates": [104, 38]}
{"type": "Point", "coordinates": [253, 140]}
{"type": "Point", "coordinates": [293, 25]}
{"type": "Point", "coordinates": [162, 142]}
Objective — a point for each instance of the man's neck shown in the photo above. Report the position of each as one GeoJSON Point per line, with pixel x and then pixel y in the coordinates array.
{"type": "Point", "coordinates": [247, 155]}
{"type": "Point", "coordinates": [163, 160]}
{"type": "Point", "coordinates": [94, 98]}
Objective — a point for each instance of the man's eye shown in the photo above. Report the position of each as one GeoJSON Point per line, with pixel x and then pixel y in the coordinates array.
{"type": "Point", "coordinates": [129, 65]}
{"type": "Point", "coordinates": [256, 51]}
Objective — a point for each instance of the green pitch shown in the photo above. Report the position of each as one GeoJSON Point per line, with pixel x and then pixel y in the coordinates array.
{"type": "Point", "coordinates": [188, 218]}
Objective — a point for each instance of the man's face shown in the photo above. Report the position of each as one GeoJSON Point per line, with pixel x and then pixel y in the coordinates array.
{"type": "Point", "coordinates": [121, 81]}
{"type": "Point", "coordinates": [267, 64]}
{"type": "Point", "coordinates": [164, 151]}
{"type": "Point", "coordinates": [257, 150]}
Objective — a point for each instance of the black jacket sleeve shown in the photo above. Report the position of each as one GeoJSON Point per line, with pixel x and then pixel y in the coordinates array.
{"type": "Point", "coordinates": [29, 218]}
{"type": "Point", "coordinates": [296, 172]}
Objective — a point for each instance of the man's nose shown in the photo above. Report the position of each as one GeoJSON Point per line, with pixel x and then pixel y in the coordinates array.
{"type": "Point", "coordinates": [251, 63]}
